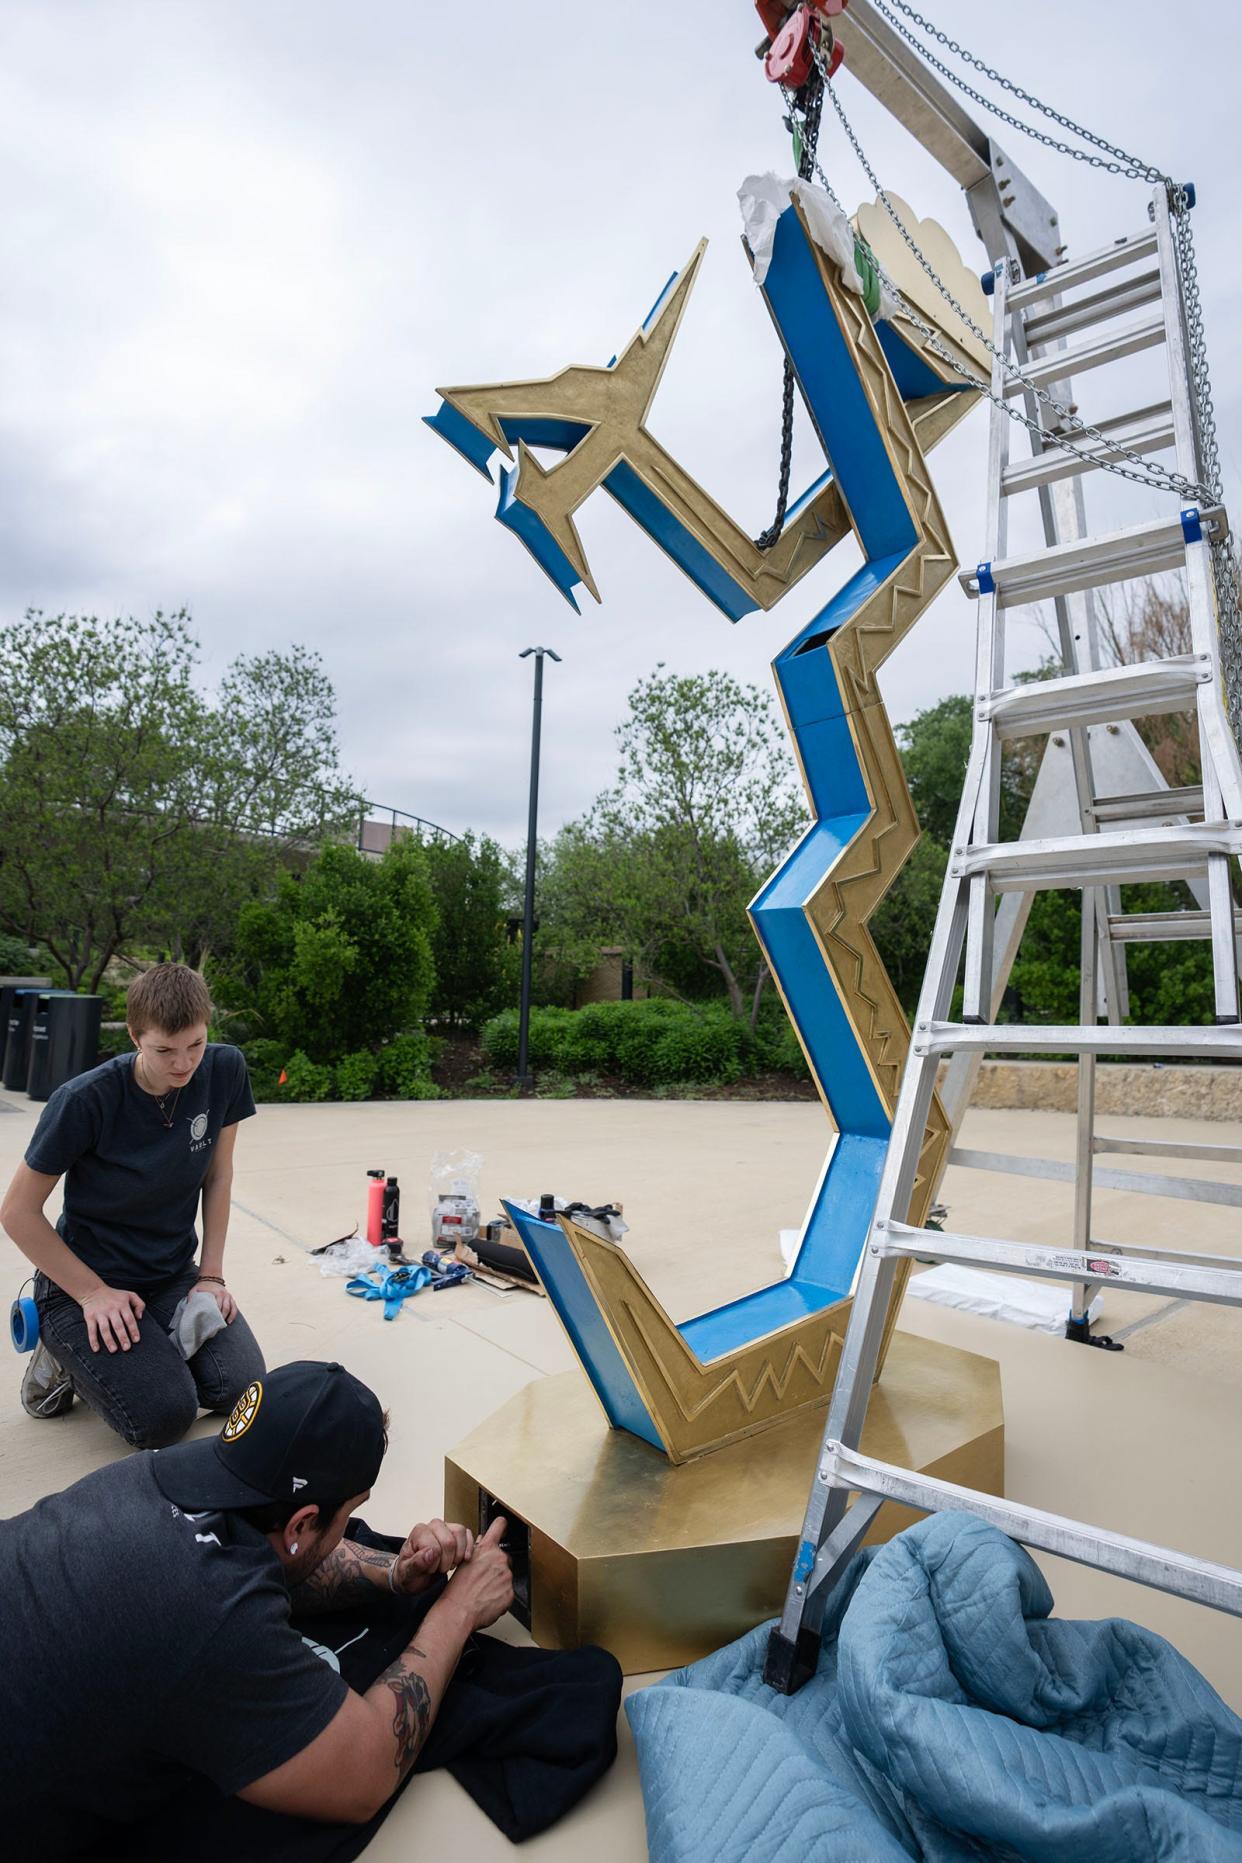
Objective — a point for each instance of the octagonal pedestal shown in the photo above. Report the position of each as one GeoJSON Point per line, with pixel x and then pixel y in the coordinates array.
{"type": "Point", "coordinates": [661, 1564]}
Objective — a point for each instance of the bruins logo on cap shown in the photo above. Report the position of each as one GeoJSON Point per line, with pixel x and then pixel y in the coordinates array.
{"type": "Point", "coordinates": [244, 1412]}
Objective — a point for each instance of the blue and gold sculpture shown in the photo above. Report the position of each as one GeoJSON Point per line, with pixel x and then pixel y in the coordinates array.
{"type": "Point", "coordinates": [878, 397]}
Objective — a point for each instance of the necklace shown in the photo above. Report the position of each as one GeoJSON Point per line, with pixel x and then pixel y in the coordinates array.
{"type": "Point", "coordinates": [166, 1114]}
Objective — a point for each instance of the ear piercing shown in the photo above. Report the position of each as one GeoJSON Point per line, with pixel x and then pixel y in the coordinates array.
{"type": "Point", "coordinates": [293, 1549]}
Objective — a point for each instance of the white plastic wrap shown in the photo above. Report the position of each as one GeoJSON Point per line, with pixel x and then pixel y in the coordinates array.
{"type": "Point", "coordinates": [764, 198]}
{"type": "Point", "coordinates": [1041, 1305]}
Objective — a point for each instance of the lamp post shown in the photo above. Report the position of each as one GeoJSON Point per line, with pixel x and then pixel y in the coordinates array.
{"type": "Point", "coordinates": [528, 916]}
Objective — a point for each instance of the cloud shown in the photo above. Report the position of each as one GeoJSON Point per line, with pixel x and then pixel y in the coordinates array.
{"type": "Point", "coordinates": [243, 246]}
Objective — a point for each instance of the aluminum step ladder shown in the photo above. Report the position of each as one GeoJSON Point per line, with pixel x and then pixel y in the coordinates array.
{"type": "Point", "coordinates": [1123, 839]}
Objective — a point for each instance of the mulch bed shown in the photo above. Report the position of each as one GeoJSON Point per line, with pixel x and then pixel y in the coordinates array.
{"type": "Point", "coordinates": [461, 1072]}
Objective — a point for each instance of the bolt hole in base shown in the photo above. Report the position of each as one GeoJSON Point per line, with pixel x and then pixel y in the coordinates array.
{"type": "Point", "coordinates": [517, 1544]}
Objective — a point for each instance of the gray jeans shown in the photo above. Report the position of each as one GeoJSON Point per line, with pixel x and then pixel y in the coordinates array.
{"type": "Point", "coordinates": [149, 1395]}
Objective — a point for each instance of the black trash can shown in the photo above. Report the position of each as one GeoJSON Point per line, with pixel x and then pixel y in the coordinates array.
{"type": "Point", "coordinates": [64, 1040]}
{"type": "Point", "coordinates": [22, 1007]}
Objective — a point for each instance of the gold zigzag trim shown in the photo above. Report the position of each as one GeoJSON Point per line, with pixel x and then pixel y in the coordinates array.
{"type": "Point", "coordinates": [698, 1406]}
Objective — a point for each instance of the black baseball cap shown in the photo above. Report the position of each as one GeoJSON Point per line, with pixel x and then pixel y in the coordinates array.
{"type": "Point", "coordinates": [306, 1428]}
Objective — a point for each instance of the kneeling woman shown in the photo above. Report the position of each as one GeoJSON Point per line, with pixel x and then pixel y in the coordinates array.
{"type": "Point", "coordinates": [137, 1140]}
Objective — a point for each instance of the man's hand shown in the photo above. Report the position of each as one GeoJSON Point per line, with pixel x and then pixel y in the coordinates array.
{"type": "Point", "coordinates": [222, 1297]}
{"type": "Point", "coordinates": [112, 1315]}
{"type": "Point", "coordinates": [431, 1548]}
{"type": "Point", "coordinates": [482, 1588]}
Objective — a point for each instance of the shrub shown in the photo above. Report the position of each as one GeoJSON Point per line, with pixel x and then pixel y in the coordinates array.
{"type": "Point", "coordinates": [340, 958]}
{"type": "Point", "coordinates": [645, 1043]}
{"type": "Point", "coordinates": [354, 1075]}
{"type": "Point", "coordinates": [405, 1067]}
{"type": "Point", "coordinates": [113, 1041]}
{"type": "Point", "coordinates": [306, 1079]}
{"type": "Point", "coordinates": [265, 1058]}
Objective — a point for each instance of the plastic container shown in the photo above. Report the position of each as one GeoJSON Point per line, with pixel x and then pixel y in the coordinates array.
{"type": "Point", "coordinates": [64, 1040]}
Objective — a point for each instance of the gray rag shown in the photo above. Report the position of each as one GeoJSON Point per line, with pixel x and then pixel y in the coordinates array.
{"type": "Point", "coordinates": [196, 1320]}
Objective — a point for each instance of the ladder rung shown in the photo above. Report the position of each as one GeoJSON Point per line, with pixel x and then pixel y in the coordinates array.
{"type": "Point", "coordinates": [1083, 313]}
{"type": "Point", "coordinates": [1138, 691]}
{"type": "Point", "coordinates": [1090, 562]}
{"type": "Point", "coordinates": [1181, 1280]}
{"type": "Point", "coordinates": [1082, 271]}
{"type": "Point", "coordinates": [1162, 927]}
{"type": "Point", "coordinates": [1200, 1580]}
{"type": "Point", "coordinates": [1167, 1148]}
{"type": "Point", "coordinates": [1199, 1041]}
{"type": "Point", "coordinates": [1148, 1183]}
{"type": "Point", "coordinates": [1149, 803]}
{"type": "Point", "coordinates": [1148, 432]}
{"type": "Point", "coordinates": [1115, 858]}
{"type": "Point", "coordinates": [1064, 363]}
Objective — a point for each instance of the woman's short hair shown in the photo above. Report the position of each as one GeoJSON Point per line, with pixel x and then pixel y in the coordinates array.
{"type": "Point", "coordinates": [169, 997]}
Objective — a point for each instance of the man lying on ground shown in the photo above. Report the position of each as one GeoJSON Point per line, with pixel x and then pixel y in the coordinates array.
{"type": "Point", "coordinates": [145, 1635]}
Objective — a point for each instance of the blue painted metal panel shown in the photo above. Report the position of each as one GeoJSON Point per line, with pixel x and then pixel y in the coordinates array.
{"type": "Point", "coordinates": [837, 1226]}
{"type": "Point", "coordinates": [534, 533]}
{"type": "Point", "coordinates": [676, 541]}
{"type": "Point", "coordinates": [911, 372]}
{"type": "Point", "coordinates": [712, 1335]}
{"type": "Point", "coordinates": [833, 393]}
{"type": "Point", "coordinates": [463, 436]}
{"type": "Point", "coordinates": [579, 1314]}
{"type": "Point", "coordinates": [560, 435]}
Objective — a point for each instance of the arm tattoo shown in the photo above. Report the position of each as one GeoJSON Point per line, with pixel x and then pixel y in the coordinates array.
{"type": "Point", "coordinates": [411, 1718]}
{"type": "Point", "coordinates": [346, 1577]}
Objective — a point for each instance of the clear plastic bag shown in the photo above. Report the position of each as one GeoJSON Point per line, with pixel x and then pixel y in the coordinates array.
{"type": "Point", "coordinates": [454, 1197]}
{"type": "Point", "coordinates": [353, 1256]}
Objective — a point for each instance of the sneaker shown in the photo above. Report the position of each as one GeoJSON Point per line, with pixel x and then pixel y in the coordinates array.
{"type": "Point", "coordinates": [46, 1387]}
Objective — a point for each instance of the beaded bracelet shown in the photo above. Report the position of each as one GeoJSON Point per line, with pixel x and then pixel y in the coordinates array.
{"type": "Point", "coordinates": [217, 1279]}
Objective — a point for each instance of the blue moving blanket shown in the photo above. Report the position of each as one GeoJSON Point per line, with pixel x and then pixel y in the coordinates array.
{"type": "Point", "coordinates": [951, 1718]}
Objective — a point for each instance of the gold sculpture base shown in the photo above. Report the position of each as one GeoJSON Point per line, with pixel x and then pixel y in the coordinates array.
{"type": "Point", "coordinates": [662, 1563]}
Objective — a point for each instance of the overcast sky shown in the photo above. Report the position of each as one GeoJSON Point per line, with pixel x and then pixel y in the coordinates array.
{"type": "Point", "coordinates": [244, 242]}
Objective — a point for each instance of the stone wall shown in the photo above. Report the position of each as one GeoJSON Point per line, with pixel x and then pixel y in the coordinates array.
{"type": "Point", "coordinates": [1146, 1087]}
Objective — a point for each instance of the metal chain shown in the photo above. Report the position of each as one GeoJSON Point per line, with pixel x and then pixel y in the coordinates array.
{"type": "Point", "coordinates": [812, 104]}
{"type": "Point", "coordinates": [1128, 165]}
{"type": "Point", "coordinates": [1149, 472]}
{"type": "Point", "coordinates": [1224, 560]}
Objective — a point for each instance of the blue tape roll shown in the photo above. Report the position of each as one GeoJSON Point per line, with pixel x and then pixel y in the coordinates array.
{"type": "Point", "coordinates": [24, 1324]}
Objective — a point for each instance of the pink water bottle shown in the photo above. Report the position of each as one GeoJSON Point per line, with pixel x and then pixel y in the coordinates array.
{"type": "Point", "coordinates": [375, 1208]}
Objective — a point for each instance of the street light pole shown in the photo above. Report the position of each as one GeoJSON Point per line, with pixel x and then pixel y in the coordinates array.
{"type": "Point", "coordinates": [528, 916]}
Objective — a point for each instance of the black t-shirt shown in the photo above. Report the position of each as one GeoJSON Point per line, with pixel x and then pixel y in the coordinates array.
{"type": "Point", "coordinates": [132, 1183]}
{"type": "Point", "coordinates": [140, 1646]}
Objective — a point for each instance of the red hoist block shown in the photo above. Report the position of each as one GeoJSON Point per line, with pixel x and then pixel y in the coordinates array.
{"type": "Point", "coordinates": [791, 57]}
{"type": "Point", "coordinates": [773, 15]}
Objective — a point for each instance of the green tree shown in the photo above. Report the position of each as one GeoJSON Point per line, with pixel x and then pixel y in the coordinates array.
{"type": "Point", "coordinates": [341, 959]}
{"type": "Point", "coordinates": [133, 810]}
{"type": "Point", "coordinates": [476, 965]}
{"type": "Point", "coordinates": [704, 806]}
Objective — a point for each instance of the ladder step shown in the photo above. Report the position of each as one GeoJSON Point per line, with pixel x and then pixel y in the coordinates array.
{"type": "Point", "coordinates": [1137, 1275]}
{"type": "Point", "coordinates": [1162, 927]}
{"type": "Point", "coordinates": [1062, 278]}
{"type": "Point", "coordinates": [1149, 804]}
{"type": "Point", "coordinates": [1129, 294]}
{"type": "Point", "coordinates": [1149, 430]}
{"type": "Point", "coordinates": [1139, 691]}
{"type": "Point", "coordinates": [1206, 1042]}
{"type": "Point", "coordinates": [1115, 858]}
{"type": "Point", "coordinates": [1076, 360]}
{"type": "Point", "coordinates": [1090, 562]}
{"type": "Point", "coordinates": [1201, 1581]}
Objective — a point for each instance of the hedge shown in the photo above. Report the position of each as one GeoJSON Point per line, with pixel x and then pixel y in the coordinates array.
{"type": "Point", "coordinates": [648, 1044]}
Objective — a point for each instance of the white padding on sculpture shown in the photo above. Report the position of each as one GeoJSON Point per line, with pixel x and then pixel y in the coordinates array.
{"type": "Point", "coordinates": [1042, 1305]}
{"type": "Point", "coordinates": [764, 198]}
